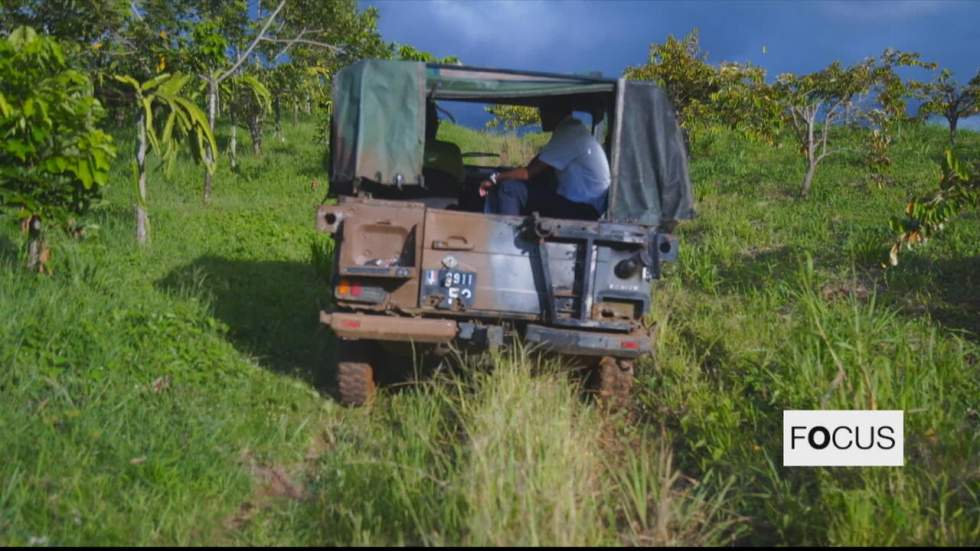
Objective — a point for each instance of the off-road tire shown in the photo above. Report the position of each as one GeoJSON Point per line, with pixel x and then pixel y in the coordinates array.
{"type": "Point", "coordinates": [355, 373]}
{"type": "Point", "coordinates": [615, 378]}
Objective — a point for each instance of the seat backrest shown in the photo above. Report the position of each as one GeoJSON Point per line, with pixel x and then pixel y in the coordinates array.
{"type": "Point", "coordinates": [445, 157]}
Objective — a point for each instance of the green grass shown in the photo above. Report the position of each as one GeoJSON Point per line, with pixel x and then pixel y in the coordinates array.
{"type": "Point", "coordinates": [509, 149]}
{"type": "Point", "coordinates": [181, 394]}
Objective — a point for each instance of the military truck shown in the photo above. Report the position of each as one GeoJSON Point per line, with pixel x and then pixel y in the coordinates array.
{"type": "Point", "coordinates": [418, 265]}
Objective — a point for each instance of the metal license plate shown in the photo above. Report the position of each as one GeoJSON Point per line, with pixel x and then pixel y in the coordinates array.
{"type": "Point", "coordinates": [451, 288]}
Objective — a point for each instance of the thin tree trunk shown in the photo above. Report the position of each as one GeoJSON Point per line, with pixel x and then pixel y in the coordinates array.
{"type": "Point", "coordinates": [208, 159]}
{"type": "Point", "coordinates": [35, 245]}
{"type": "Point", "coordinates": [808, 178]}
{"type": "Point", "coordinates": [233, 145]}
{"type": "Point", "coordinates": [953, 122]}
{"type": "Point", "coordinates": [255, 130]}
{"type": "Point", "coordinates": [278, 108]}
{"type": "Point", "coordinates": [142, 220]}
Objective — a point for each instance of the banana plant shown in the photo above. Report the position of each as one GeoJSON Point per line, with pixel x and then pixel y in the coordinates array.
{"type": "Point", "coordinates": [167, 119]}
{"type": "Point", "coordinates": [247, 100]}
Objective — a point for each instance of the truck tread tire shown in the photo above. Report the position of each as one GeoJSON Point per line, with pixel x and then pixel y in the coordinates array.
{"type": "Point", "coordinates": [355, 373]}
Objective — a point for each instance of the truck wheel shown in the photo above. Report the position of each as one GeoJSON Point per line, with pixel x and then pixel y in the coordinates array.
{"type": "Point", "coordinates": [615, 381]}
{"type": "Point", "coordinates": [355, 373]}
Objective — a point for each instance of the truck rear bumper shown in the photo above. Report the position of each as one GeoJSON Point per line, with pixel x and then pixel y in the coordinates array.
{"type": "Point", "coordinates": [566, 341]}
{"type": "Point", "coordinates": [589, 343]}
{"type": "Point", "coordinates": [390, 328]}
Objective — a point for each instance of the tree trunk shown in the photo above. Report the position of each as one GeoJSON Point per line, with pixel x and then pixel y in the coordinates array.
{"type": "Point", "coordinates": [255, 130]}
{"type": "Point", "coordinates": [233, 145]}
{"type": "Point", "coordinates": [953, 121]}
{"type": "Point", "coordinates": [208, 159]}
{"type": "Point", "coordinates": [142, 220]}
{"type": "Point", "coordinates": [36, 251]}
{"type": "Point", "coordinates": [278, 108]}
{"type": "Point", "coordinates": [120, 116]}
{"type": "Point", "coordinates": [811, 168]}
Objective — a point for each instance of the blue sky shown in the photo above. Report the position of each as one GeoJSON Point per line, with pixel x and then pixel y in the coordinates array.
{"type": "Point", "coordinates": [609, 35]}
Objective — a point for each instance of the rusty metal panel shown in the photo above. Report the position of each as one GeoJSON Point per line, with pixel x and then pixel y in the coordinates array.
{"type": "Point", "coordinates": [378, 239]}
{"type": "Point", "coordinates": [504, 261]}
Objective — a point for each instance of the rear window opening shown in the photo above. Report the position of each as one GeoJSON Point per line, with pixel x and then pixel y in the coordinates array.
{"type": "Point", "coordinates": [486, 140]}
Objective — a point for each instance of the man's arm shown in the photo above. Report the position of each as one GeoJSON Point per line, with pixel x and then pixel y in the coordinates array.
{"type": "Point", "coordinates": [533, 169]}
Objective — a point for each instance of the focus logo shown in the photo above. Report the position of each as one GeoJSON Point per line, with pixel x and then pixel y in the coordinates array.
{"type": "Point", "coordinates": [843, 438]}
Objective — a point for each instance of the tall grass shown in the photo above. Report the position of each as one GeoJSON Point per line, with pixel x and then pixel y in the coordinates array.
{"type": "Point", "coordinates": [182, 394]}
{"type": "Point", "coordinates": [504, 456]}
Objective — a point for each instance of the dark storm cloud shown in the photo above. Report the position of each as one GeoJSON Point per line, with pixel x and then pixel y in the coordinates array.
{"type": "Point", "coordinates": [609, 35]}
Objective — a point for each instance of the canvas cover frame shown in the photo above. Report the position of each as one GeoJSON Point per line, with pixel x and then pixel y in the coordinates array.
{"type": "Point", "coordinates": [378, 128]}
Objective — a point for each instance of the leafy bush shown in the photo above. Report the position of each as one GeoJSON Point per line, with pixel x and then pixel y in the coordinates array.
{"type": "Point", "coordinates": [53, 159]}
{"type": "Point", "coordinates": [927, 216]}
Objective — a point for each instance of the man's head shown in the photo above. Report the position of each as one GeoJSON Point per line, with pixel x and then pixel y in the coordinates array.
{"type": "Point", "coordinates": [552, 114]}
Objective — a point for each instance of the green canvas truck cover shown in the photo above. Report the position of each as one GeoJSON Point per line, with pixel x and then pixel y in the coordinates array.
{"type": "Point", "coordinates": [379, 122]}
{"type": "Point", "coordinates": [379, 110]}
{"type": "Point", "coordinates": [651, 183]}
{"type": "Point", "coordinates": [378, 128]}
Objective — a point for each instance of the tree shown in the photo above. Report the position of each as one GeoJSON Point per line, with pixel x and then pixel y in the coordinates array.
{"type": "Point", "coordinates": [53, 158]}
{"type": "Point", "coordinates": [317, 35]}
{"type": "Point", "coordinates": [512, 117]}
{"type": "Point", "coordinates": [814, 105]}
{"type": "Point", "coordinates": [944, 96]}
{"type": "Point", "coordinates": [890, 108]}
{"type": "Point", "coordinates": [248, 100]}
{"type": "Point", "coordinates": [211, 47]}
{"type": "Point", "coordinates": [743, 101]}
{"type": "Point", "coordinates": [163, 98]}
{"type": "Point", "coordinates": [682, 69]}
{"type": "Point", "coordinates": [959, 190]}
{"type": "Point", "coordinates": [411, 53]}
{"type": "Point", "coordinates": [732, 94]}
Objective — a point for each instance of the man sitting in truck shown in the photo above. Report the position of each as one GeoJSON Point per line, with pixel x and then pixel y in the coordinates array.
{"type": "Point", "coordinates": [573, 157]}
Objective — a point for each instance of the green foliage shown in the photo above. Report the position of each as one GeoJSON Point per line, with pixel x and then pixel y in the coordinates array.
{"type": "Point", "coordinates": [83, 29]}
{"type": "Point", "coordinates": [944, 96]}
{"type": "Point", "coordinates": [512, 117]}
{"type": "Point", "coordinates": [53, 158]}
{"type": "Point", "coordinates": [246, 96]}
{"type": "Point", "coordinates": [813, 105]}
{"type": "Point", "coordinates": [407, 52]}
{"type": "Point", "coordinates": [200, 370]}
{"type": "Point", "coordinates": [733, 94]}
{"type": "Point", "coordinates": [682, 69]}
{"type": "Point", "coordinates": [502, 149]}
{"type": "Point", "coordinates": [743, 101]}
{"type": "Point", "coordinates": [172, 118]}
{"type": "Point", "coordinates": [959, 190]}
{"type": "Point", "coordinates": [876, 157]}
{"type": "Point", "coordinates": [891, 94]}
{"type": "Point", "coordinates": [208, 46]}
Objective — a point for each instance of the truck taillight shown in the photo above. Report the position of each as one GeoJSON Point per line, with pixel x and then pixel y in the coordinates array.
{"type": "Point", "coordinates": [346, 288]}
{"type": "Point", "coordinates": [358, 292]}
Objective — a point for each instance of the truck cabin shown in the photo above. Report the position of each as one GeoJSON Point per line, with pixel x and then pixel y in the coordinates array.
{"type": "Point", "coordinates": [386, 140]}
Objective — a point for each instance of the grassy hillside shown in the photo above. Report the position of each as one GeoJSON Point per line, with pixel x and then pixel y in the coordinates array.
{"type": "Point", "coordinates": [181, 394]}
